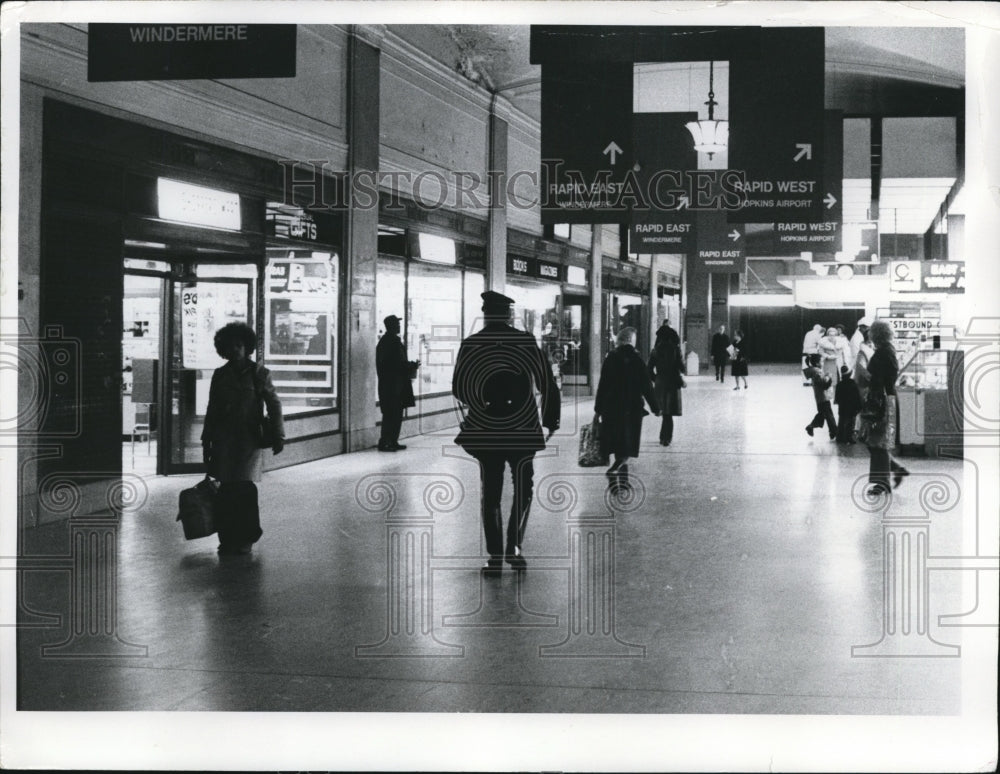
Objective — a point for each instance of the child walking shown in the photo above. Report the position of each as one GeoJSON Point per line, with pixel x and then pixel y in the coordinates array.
{"type": "Point", "coordinates": [823, 392]}
{"type": "Point", "coordinates": [848, 399]}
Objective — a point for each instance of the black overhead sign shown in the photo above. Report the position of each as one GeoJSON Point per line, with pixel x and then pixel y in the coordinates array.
{"type": "Point", "coordinates": [156, 52]}
{"type": "Point", "coordinates": [824, 235]}
{"type": "Point", "coordinates": [609, 43]}
{"type": "Point", "coordinates": [663, 154]}
{"type": "Point", "coordinates": [776, 104]}
{"type": "Point", "coordinates": [721, 246]}
{"type": "Point", "coordinates": [523, 266]}
{"type": "Point", "coordinates": [586, 142]}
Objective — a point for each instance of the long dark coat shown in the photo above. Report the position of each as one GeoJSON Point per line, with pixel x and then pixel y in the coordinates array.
{"type": "Point", "coordinates": [620, 392]}
{"type": "Point", "coordinates": [393, 370]}
{"type": "Point", "coordinates": [667, 372]}
{"type": "Point", "coordinates": [741, 358]}
{"type": "Point", "coordinates": [236, 401]}
{"type": "Point", "coordinates": [496, 374]}
{"type": "Point", "coordinates": [720, 342]}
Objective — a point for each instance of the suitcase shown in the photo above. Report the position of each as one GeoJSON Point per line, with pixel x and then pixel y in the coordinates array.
{"type": "Point", "coordinates": [590, 446]}
{"type": "Point", "coordinates": [196, 509]}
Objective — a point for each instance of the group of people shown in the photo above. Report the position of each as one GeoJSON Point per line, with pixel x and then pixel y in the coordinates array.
{"type": "Point", "coordinates": [497, 373]}
{"type": "Point", "coordinates": [858, 376]}
{"type": "Point", "coordinates": [736, 350]}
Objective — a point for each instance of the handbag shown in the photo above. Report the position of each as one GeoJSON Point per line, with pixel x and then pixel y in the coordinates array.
{"type": "Point", "coordinates": [872, 421]}
{"type": "Point", "coordinates": [196, 509]}
{"type": "Point", "coordinates": [590, 446]}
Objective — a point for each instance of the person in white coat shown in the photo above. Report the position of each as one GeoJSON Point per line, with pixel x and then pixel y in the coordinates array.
{"type": "Point", "coordinates": [860, 336]}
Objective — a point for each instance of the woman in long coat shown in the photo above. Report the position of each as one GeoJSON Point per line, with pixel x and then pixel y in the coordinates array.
{"type": "Point", "coordinates": [233, 437]}
{"type": "Point", "coordinates": [667, 372]}
{"type": "Point", "coordinates": [741, 360]}
{"type": "Point", "coordinates": [883, 369]}
{"type": "Point", "coordinates": [623, 385]}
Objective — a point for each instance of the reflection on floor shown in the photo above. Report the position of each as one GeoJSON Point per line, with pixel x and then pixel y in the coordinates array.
{"type": "Point", "coordinates": [735, 577]}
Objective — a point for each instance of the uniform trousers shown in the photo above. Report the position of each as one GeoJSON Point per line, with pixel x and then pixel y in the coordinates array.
{"type": "Point", "coordinates": [491, 471]}
{"type": "Point", "coordinates": [392, 422]}
{"type": "Point", "coordinates": [237, 513]}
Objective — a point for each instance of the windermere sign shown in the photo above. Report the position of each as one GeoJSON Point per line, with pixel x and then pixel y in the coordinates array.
{"type": "Point", "coordinates": [156, 52]}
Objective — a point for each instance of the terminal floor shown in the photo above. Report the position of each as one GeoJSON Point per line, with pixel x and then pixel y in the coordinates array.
{"type": "Point", "coordinates": [736, 580]}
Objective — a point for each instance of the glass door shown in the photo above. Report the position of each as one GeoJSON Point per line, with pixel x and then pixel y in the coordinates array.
{"type": "Point", "coordinates": [204, 297]}
{"type": "Point", "coordinates": [142, 314]}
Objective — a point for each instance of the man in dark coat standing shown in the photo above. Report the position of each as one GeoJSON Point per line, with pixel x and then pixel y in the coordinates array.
{"type": "Point", "coordinates": [395, 392]}
{"type": "Point", "coordinates": [496, 374]}
{"type": "Point", "coordinates": [720, 353]}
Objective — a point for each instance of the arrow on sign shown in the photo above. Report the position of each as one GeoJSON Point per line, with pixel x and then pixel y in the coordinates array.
{"type": "Point", "coordinates": [613, 150]}
{"type": "Point", "coordinates": [830, 200]}
{"type": "Point", "coordinates": [683, 202]}
{"type": "Point", "coordinates": [734, 234]}
{"type": "Point", "coordinates": [805, 149]}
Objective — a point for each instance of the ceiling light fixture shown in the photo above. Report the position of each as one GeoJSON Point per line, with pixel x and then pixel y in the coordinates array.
{"type": "Point", "coordinates": [710, 136]}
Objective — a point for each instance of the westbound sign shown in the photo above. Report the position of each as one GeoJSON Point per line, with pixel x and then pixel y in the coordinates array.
{"type": "Point", "coordinates": [822, 235]}
{"type": "Point", "coordinates": [157, 52]}
{"type": "Point", "coordinates": [776, 99]}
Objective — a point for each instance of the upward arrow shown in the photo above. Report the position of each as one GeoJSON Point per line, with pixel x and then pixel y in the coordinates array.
{"type": "Point", "coordinates": [805, 149]}
{"type": "Point", "coordinates": [613, 150]}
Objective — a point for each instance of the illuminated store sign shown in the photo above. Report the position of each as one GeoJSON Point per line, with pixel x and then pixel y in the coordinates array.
{"type": "Point", "coordinates": [197, 205]}
{"type": "Point", "coordinates": [927, 276]}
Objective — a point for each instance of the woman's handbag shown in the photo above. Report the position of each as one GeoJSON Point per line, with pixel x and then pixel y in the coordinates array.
{"type": "Point", "coordinates": [873, 424]}
{"type": "Point", "coordinates": [590, 446]}
{"type": "Point", "coordinates": [196, 509]}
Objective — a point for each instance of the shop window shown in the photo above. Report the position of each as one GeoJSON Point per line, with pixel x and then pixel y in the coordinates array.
{"type": "Point", "coordinates": [390, 292]}
{"type": "Point", "coordinates": [475, 284]}
{"type": "Point", "coordinates": [434, 325]}
{"type": "Point", "coordinates": [300, 332]}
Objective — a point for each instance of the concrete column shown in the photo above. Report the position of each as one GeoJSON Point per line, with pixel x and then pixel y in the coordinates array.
{"type": "Point", "coordinates": [496, 252]}
{"type": "Point", "coordinates": [596, 318]}
{"type": "Point", "coordinates": [718, 288]}
{"type": "Point", "coordinates": [697, 317]}
{"type": "Point", "coordinates": [359, 330]}
{"type": "Point", "coordinates": [956, 238]}
{"type": "Point", "coordinates": [653, 322]}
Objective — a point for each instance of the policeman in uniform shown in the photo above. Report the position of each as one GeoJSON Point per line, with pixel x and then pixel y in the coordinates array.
{"type": "Point", "coordinates": [496, 374]}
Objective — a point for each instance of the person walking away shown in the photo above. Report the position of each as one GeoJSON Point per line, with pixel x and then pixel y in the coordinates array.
{"type": "Point", "coordinates": [883, 368]}
{"type": "Point", "coordinates": [810, 346]}
{"type": "Point", "coordinates": [823, 393]}
{"type": "Point", "coordinates": [666, 370]}
{"type": "Point", "coordinates": [234, 431]}
{"type": "Point", "coordinates": [720, 353]}
{"type": "Point", "coordinates": [395, 392]}
{"type": "Point", "coordinates": [496, 373]}
{"type": "Point", "coordinates": [848, 400]}
{"type": "Point", "coordinates": [741, 365]}
{"type": "Point", "coordinates": [623, 385]}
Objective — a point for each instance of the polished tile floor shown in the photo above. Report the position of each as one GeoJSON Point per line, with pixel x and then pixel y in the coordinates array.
{"type": "Point", "coordinates": [737, 576]}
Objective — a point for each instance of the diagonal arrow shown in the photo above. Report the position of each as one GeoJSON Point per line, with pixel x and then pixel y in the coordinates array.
{"type": "Point", "coordinates": [683, 202]}
{"type": "Point", "coordinates": [734, 234]}
{"type": "Point", "coordinates": [805, 149]}
{"type": "Point", "coordinates": [830, 200]}
{"type": "Point", "coordinates": [613, 150]}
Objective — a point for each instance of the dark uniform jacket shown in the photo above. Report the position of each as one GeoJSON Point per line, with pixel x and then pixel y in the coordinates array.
{"type": "Point", "coordinates": [666, 369]}
{"type": "Point", "coordinates": [393, 369]}
{"type": "Point", "coordinates": [624, 383]}
{"type": "Point", "coordinates": [496, 374]}
{"type": "Point", "coordinates": [236, 401]}
{"type": "Point", "coordinates": [720, 342]}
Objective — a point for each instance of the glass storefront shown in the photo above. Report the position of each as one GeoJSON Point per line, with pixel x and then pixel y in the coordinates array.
{"type": "Point", "coordinates": [440, 304]}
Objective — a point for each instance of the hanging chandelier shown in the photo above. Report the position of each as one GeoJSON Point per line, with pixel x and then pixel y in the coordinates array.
{"type": "Point", "coordinates": [710, 136]}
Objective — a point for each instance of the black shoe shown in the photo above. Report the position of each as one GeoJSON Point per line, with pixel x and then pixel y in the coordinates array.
{"type": "Point", "coordinates": [235, 549]}
{"type": "Point", "coordinates": [516, 560]}
{"type": "Point", "coordinates": [383, 448]}
{"type": "Point", "coordinates": [398, 447]}
{"type": "Point", "coordinates": [809, 429]}
{"type": "Point", "coordinates": [897, 477]}
{"type": "Point", "coordinates": [664, 443]}
{"type": "Point", "coordinates": [877, 490]}
{"type": "Point", "coordinates": [492, 569]}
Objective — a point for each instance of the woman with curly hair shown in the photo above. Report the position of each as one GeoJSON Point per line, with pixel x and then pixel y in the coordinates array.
{"type": "Point", "coordinates": [880, 437]}
{"type": "Point", "coordinates": [235, 433]}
